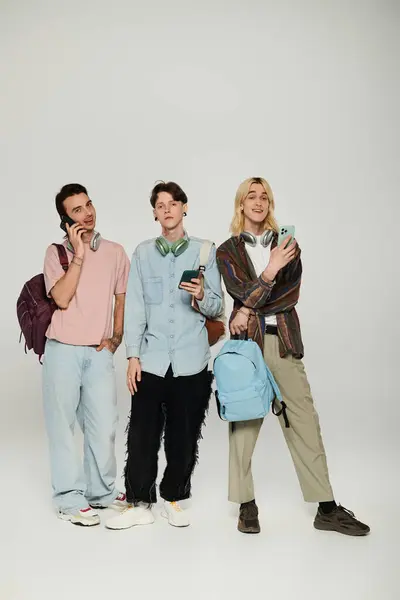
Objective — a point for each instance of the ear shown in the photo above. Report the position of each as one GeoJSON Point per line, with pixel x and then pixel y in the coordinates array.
{"type": "Point", "coordinates": [184, 209]}
{"type": "Point", "coordinates": [154, 214]}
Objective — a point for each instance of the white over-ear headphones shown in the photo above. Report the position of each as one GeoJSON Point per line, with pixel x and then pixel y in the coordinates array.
{"type": "Point", "coordinates": [251, 239]}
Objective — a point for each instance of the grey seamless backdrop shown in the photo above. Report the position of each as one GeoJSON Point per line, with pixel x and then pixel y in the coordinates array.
{"type": "Point", "coordinates": [118, 95]}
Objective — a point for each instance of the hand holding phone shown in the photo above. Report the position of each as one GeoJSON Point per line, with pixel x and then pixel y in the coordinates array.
{"type": "Point", "coordinates": [284, 232]}
{"type": "Point", "coordinates": [283, 253]}
{"type": "Point", "coordinates": [66, 220]}
{"type": "Point", "coordinates": [191, 283]}
{"type": "Point", "coordinates": [74, 232]}
{"type": "Point", "coordinates": [187, 276]}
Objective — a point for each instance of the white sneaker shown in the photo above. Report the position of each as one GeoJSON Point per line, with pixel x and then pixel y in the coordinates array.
{"type": "Point", "coordinates": [86, 517]}
{"type": "Point", "coordinates": [176, 516]}
{"type": "Point", "coordinates": [118, 504]}
{"type": "Point", "coordinates": [130, 516]}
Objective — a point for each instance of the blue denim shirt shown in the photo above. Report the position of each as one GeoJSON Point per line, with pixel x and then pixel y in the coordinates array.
{"type": "Point", "coordinates": [161, 327]}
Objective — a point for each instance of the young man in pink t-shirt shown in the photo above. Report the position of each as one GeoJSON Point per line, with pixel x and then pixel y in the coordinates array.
{"type": "Point", "coordinates": [78, 372]}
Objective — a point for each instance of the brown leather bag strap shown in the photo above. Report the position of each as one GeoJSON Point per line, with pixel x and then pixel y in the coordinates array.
{"type": "Point", "coordinates": [62, 255]}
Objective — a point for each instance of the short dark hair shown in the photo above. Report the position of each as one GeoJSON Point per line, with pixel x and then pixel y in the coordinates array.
{"type": "Point", "coordinates": [171, 188]}
{"type": "Point", "coordinates": [71, 189]}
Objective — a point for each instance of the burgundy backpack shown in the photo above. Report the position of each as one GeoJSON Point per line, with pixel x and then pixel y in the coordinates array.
{"type": "Point", "coordinates": [35, 308]}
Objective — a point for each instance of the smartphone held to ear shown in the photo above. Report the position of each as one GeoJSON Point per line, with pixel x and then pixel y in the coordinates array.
{"type": "Point", "coordinates": [187, 276]}
{"type": "Point", "coordinates": [284, 232]}
{"type": "Point", "coordinates": [65, 219]}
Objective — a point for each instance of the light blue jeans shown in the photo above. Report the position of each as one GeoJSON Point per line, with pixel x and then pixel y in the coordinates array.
{"type": "Point", "coordinates": [79, 385]}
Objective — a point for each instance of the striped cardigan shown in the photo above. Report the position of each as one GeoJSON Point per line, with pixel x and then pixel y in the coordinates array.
{"type": "Point", "coordinates": [263, 298]}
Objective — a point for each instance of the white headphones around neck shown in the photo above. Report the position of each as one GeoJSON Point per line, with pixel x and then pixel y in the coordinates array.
{"type": "Point", "coordinates": [251, 239]}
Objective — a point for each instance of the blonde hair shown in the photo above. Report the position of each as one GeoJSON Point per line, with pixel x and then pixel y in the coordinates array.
{"type": "Point", "coordinates": [237, 224]}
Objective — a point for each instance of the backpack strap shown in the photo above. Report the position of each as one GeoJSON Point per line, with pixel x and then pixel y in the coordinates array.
{"type": "Point", "coordinates": [282, 412]}
{"type": "Point", "coordinates": [278, 396]}
{"type": "Point", "coordinates": [62, 256]}
{"type": "Point", "coordinates": [204, 254]}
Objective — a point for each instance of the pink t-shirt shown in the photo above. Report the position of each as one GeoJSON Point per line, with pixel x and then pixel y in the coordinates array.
{"type": "Point", "coordinates": [89, 316]}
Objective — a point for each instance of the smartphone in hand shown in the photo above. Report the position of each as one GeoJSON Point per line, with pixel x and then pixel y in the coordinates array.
{"type": "Point", "coordinates": [64, 220]}
{"type": "Point", "coordinates": [284, 231]}
{"type": "Point", "coordinates": [187, 276]}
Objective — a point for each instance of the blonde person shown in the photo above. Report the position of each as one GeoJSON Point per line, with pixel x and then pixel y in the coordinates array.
{"type": "Point", "coordinates": [264, 278]}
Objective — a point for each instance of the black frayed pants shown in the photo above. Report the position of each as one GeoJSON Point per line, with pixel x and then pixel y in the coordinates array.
{"type": "Point", "coordinates": [176, 406]}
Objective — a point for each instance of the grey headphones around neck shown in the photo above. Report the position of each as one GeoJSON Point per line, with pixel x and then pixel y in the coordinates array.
{"type": "Point", "coordinates": [251, 239]}
{"type": "Point", "coordinates": [93, 244]}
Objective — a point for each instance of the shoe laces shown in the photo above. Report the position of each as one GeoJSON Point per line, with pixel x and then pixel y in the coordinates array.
{"type": "Point", "coordinates": [249, 511]}
{"type": "Point", "coordinates": [347, 511]}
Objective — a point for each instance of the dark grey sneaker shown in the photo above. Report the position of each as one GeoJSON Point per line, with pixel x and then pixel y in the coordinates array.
{"type": "Point", "coordinates": [340, 520]}
{"type": "Point", "coordinates": [248, 518]}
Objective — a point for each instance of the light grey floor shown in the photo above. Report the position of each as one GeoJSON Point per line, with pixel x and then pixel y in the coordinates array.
{"type": "Point", "coordinates": [45, 558]}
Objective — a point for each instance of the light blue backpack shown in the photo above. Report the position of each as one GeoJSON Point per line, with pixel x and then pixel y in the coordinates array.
{"type": "Point", "coordinates": [246, 387]}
